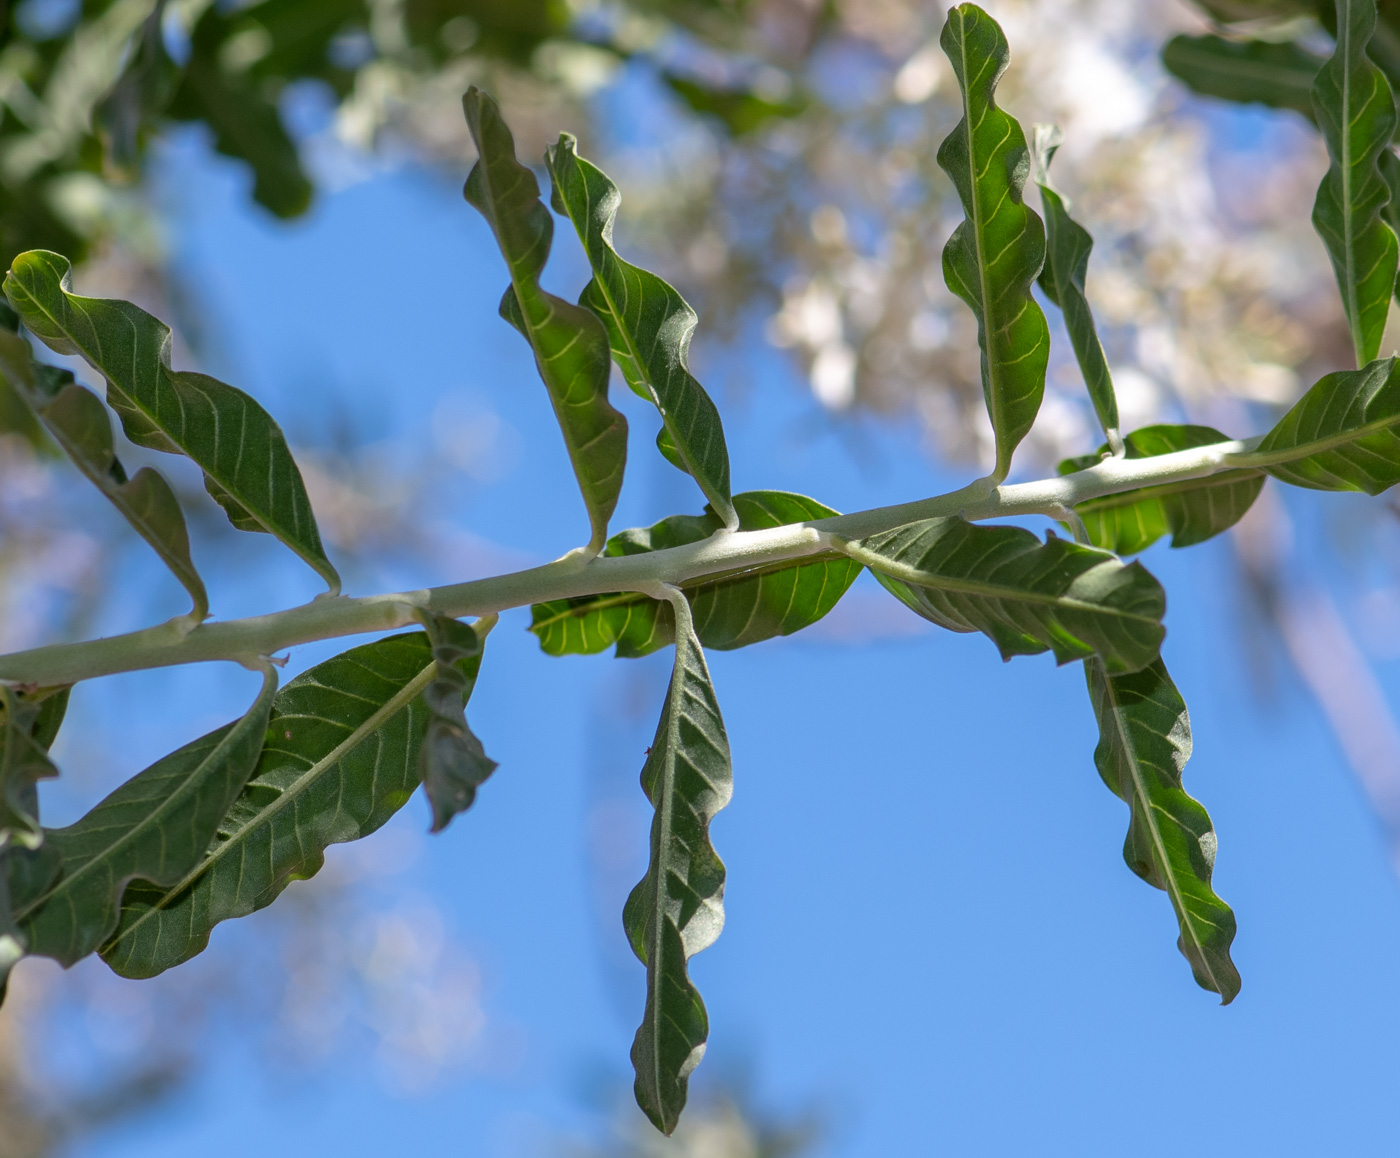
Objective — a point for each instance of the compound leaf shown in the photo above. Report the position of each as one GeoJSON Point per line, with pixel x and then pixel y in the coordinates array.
{"type": "Point", "coordinates": [1068, 246]}
{"type": "Point", "coordinates": [1192, 511]}
{"type": "Point", "coordinates": [1279, 74]}
{"type": "Point", "coordinates": [1355, 110]}
{"type": "Point", "coordinates": [1341, 434]}
{"type": "Point", "coordinates": [452, 762]}
{"type": "Point", "coordinates": [247, 467]}
{"type": "Point", "coordinates": [570, 344]}
{"type": "Point", "coordinates": [154, 827]}
{"type": "Point", "coordinates": [79, 423]}
{"type": "Point", "coordinates": [728, 612]}
{"type": "Point", "coordinates": [341, 758]}
{"type": "Point", "coordinates": [1028, 596]}
{"type": "Point", "coordinates": [1145, 741]}
{"type": "Point", "coordinates": [677, 909]}
{"type": "Point", "coordinates": [649, 327]}
{"type": "Point", "coordinates": [995, 254]}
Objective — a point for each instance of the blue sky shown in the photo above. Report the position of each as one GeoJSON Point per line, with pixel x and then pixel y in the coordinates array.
{"type": "Point", "coordinates": [931, 934]}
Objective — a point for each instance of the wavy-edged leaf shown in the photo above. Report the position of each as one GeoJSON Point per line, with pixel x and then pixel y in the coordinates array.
{"type": "Point", "coordinates": [1067, 249]}
{"type": "Point", "coordinates": [1192, 511]}
{"type": "Point", "coordinates": [677, 909]}
{"type": "Point", "coordinates": [79, 423]}
{"type": "Point", "coordinates": [155, 827]}
{"type": "Point", "coordinates": [340, 759]}
{"type": "Point", "coordinates": [570, 344]}
{"type": "Point", "coordinates": [997, 252]}
{"type": "Point", "coordinates": [1355, 110]}
{"type": "Point", "coordinates": [1341, 435]}
{"type": "Point", "coordinates": [452, 762]}
{"type": "Point", "coordinates": [1389, 165]}
{"type": "Point", "coordinates": [649, 327]}
{"type": "Point", "coordinates": [247, 467]}
{"type": "Point", "coordinates": [1028, 596]}
{"type": "Point", "coordinates": [1279, 74]}
{"type": "Point", "coordinates": [1145, 741]}
{"type": "Point", "coordinates": [27, 729]}
{"type": "Point", "coordinates": [728, 612]}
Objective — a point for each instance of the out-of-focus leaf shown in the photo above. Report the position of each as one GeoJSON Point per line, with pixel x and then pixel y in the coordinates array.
{"type": "Point", "coordinates": [1028, 596]}
{"type": "Point", "coordinates": [649, 326]}
{"type": "Point", "coordinates": [247, 466]}
{"type": "Point", "coordinates": [453, 764]}
{"type": "Point", "coordinates": [570, 344]}
{"type": "Point", "coordinates": [143, 90]}
{"type": "Point", "coordinates": [728, 612]}
{"type": "Point", "coordinates": [1145, 741]}
{"type": "Point", "coordinates": [242, 115]}
{"type": "Point", "coordinates": [677, 909]}
{"type": "Point", "coordinates": [341, 758]}
{"type": "Point", "coordinates": [1192, 511]}
{"type": "Point", "coordinates": [80, 425]}
{"type": "Point", "coordinates": [1341, 435]}
{"type": "Point", "coordinates": [155, 827]}
{"type": "Point", "coordinates": [1068, 246]}
{"type": "Point", "coordinates": [1279, 74]}
{"type": "Point", "coordinates": [995, 254]}
{"type": "Point", "coordinates": [738, 110]}
{"type": "Point", "coordinates": [1355, 110]}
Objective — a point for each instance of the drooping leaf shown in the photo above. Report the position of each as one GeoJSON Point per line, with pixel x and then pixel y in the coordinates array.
{"type": "Point", "coordinates": [1355, 110]}
{"type": "Point", "coordinates": [340, 759]}
{"type": "Point", "coordinates": [1192, 511]}
{"type": "Point", "coordinates": [1341, 435]}
{"type": "Point", "coordinates": [154, 827]}
{"type": "Point", "coordinates": [728, 612]}
{"type": "Point", "coordinates": [649, 326]}
{"type": "Point", "coordinates": [995, 254]}
{"type": "Point", "coordinates": [79, 423]}
{"type": "Point", "coordinates": [677, 909]}
{"type": "Point", "coordinates": [27, 729]}
{"type": "Point", "coordinates": [247, 466]}
{"type": "Point", "coordinates": [1028, 596]}
{"type": "Point", "coordinates": [1067, 250]}
{"type": "Point", "coordinates": [570, 344]}
{"type": "Point", "coordinates": [453, 764]}
{"type": "Point", "coordinates": [1279, 74]}
{"type": "Point", "coordinates": [1145, 741]}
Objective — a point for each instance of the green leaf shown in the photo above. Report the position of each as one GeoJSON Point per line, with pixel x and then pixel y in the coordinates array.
{"type": "Point", "coordinates": [1193, 510]}
{"type": "Point", "coordinates": [995, 254]}
{"type": "Point", "coordinates": [155, 827]}
{"type": "Point", "coordinates": [243, 117]}
{"type": "Point", "coordinates": [28, 727]}
{"type": "Point", "coordinates": [740, 112]}
{"type": "Point", "coordinates": [677, 909]}
{"type": "Point", "coordinates": [1341, 435]}
{"type": "Point", "coordinates": [649, 326]}
{"type": "Point", "coordinates": [247, 466]}
{"type": "Point", "coordinates": [728, 611]}
{"type": "Point", "coordinates": [1145, 741]}
{"type": "Point", "coordinates": [570, 344]}
{"type": "Point", "coordinates": [78, 422]}
{"type": "Point", "coordinates": [1068, 246]}
{"type": "Point", "coordinates": [452, 762]}
{"type": "Point", "coordinates": [1389, 165]}
{"type": "Point", "coordinates": [341, 758]}
{"type": "Point", "coordinates": [1027, 596]}
{"type": "Point", "coordinates": [1356, 111]}
{"type": "Point", "coordinates": [1279, 74]}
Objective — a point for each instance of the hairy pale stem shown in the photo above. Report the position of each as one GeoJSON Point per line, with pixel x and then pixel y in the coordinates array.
{"type": "Point", "coordinates": [245, 640]}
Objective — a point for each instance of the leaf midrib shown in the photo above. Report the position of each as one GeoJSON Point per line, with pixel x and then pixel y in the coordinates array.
{"type": "Point", "coordinates": [390, 708]}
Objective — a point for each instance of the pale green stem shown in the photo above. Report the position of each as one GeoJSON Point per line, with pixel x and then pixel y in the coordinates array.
{"type": "Point", "coordinates": [244, 640]}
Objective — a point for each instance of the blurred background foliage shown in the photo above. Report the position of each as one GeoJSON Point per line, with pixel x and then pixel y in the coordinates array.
{"type": "Point", "coordinates": [777, 163]}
